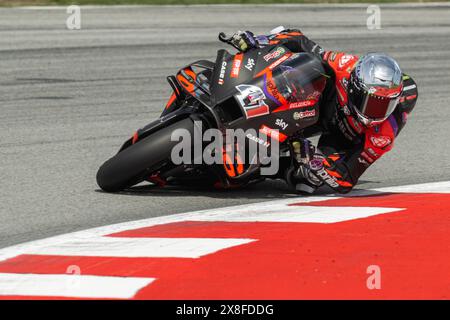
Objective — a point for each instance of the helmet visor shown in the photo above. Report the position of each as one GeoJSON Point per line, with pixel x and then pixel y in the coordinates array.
{"type": "Point", "coordinates": [371, 108]}
{"type": "Point", "coordinates": [377, 108]}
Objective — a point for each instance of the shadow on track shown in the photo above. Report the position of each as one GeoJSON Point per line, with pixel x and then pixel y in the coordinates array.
{"type": "Point", "coordinates": [265, 190]}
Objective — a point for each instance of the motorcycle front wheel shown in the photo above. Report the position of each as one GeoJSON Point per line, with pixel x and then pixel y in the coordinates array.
{"type": "Point", "coordinates": [133, 164]}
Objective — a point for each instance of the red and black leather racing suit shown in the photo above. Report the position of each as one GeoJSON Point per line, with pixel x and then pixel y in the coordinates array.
{"type": "Point", "coordinates": [348, 147]}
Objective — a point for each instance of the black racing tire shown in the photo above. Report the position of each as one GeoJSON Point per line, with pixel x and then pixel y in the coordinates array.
{"type": "Point", "coordinates": [131, 165]}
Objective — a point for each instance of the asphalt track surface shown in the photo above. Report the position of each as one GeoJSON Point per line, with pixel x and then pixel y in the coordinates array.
{"type": "Point", "coordinates": [68, 99]}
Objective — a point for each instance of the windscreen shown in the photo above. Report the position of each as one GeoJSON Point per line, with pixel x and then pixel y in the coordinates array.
{"type": "Point", "coordinates": [300, 78]}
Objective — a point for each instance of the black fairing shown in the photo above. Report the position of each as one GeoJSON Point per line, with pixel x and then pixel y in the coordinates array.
{"type": "Point", "coordinates": [288, 88]}
{"type": "Point", "coordinates": [265, 90]}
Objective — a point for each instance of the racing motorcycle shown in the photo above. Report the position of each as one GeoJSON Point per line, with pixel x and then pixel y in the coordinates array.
{"type": "Point", "coordinates": [271, 91]}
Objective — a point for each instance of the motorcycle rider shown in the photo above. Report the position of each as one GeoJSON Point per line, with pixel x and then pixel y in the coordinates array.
{"type": "Point", "coordinates": [363, 108]}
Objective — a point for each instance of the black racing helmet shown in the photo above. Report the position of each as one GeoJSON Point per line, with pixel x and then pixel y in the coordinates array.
{"type": "Point", "coordinates": [374, 88]}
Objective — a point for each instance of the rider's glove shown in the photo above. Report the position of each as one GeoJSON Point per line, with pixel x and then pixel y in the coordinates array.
{"type": "Point", "coordinates": [244, 40]}
{"type": "Point", "coordinates": [307, 157]}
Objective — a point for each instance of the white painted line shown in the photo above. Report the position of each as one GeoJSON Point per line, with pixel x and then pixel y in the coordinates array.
{"type": "Point", "coordinates": [305, 214]}
{"type": "Point", "coordinates": [35, 246]}
{"type": "Point", "coordinates": [74, 286]}
{"type": "Point", "coordinates": [139, 247]}
{"type": "Point", "coordinates": [435, 187]}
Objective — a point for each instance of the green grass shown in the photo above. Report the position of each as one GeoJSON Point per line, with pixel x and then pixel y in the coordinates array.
{"type": "Point", "coordinates": [186, 2]}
